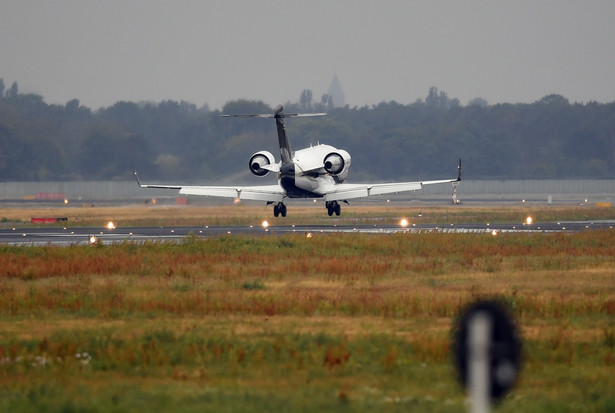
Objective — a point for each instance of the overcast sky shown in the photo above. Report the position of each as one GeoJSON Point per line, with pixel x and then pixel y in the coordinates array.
{"type": "Point", "coordinates": [101, 52]}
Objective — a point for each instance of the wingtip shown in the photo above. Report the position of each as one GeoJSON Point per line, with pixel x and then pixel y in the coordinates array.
{"type": "Point", "coordinates": [137, 178]}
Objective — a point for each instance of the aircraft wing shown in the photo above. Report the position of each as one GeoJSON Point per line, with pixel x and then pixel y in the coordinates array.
{"type": "Point", "coordinates": [344, 192]}
{"type": "Point", "coordinates": [269, 193]}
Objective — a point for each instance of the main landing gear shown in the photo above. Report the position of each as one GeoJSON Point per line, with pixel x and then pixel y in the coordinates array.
{"type": "Point", "coordinates": [279, 209]}
{"type": "Point", "coordinates": [333, 206]}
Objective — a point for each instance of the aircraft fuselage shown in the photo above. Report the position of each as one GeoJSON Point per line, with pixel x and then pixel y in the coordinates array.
{"type": "Point", "coordinates": [304, 176]}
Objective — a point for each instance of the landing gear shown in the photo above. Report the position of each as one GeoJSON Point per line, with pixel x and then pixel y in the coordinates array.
{"type": "Point", "coordinates": [333, 206]}
{"type": "Point", "coordinates": [279, 209]}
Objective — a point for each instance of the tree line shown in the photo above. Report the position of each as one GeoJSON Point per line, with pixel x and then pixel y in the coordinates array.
{"type": "Point", "coordinates": [171, 141]}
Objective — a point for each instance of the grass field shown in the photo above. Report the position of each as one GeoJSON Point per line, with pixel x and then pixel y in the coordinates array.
{"type": "Point", "coordinates": [334, 322]}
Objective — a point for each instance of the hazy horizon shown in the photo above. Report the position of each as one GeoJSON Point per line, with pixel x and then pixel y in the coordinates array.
{"type": "Point", "coordinates": [102, 52]}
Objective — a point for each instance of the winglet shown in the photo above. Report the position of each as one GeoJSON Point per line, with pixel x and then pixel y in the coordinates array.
{"type": "Point", "coordinates": [137, 177]}
{"type": "Point", "coordinates": [458, 171]}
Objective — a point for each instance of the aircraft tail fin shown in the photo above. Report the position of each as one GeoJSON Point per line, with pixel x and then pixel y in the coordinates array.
{"type": "Point", "coordinates": [286, 152]}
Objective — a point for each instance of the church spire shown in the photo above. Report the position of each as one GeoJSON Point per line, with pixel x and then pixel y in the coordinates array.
{"type": "Point", "coordinates": [336, 92]}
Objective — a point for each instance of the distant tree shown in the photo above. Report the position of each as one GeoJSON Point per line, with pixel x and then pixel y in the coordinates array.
{"type": "Point", "coordinates": [432, 100]}
{"type": "Point", "coordinates": [72, 105]}
{"type": "Point", "coordinates": [187, 107]}
{"type": "Point", "coordinates": [171, 166]}
{"type": "Point", "coordinates": [306, 100]}
{"type": "Point", "coordinates": [326, 103]}
{"type": "Point", "coordinates": [243, 106]}
{"type": "Point", "coordinates": [13, 91]}
{"type": "Point", "coordinates": [608, 137]}
{"type": "Point", "coordinates": [103, 152]}
{"type": "Point", "coordinates": [554, 100]}
{"type": "Point", "coordinates": [176, 140]}
{"type": "Point", "coordinates": [478, 102]}
{"type": "Point", "coordinates": [1, 88]}
{"type": "Point", "coordinates": [9, 148]}
{"type": "Point", "coordinates": [224, 129]}
{"type": "Point", "coordinates": [439, 101]}
{"type": "Point", "coordinates": [123, 113]}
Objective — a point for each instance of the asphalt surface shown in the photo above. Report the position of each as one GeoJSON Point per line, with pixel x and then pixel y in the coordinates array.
{"type": "Point", "coordinates": [47, 235]}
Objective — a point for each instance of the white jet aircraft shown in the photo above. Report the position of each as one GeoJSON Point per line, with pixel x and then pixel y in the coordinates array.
{"type": "Point", "coordinates": [315, 172]}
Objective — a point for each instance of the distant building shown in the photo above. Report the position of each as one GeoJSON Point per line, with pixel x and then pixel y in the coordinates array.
{"type": "Point", "coordinates": [336, 93]}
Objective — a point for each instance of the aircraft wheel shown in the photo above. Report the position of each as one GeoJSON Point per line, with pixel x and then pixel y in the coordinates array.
{"type": "Point", "coordinates": [329, 211]}
{"type": "Point", "coordinates": [276, 211]}
{"type": "Point", "coordinates": [283, 210]}
{"type": "Point", "coordinates": [338, 209]}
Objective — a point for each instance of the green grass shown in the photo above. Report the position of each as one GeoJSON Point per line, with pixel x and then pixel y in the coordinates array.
{"type": "Point", "coordinates": [339, 322]}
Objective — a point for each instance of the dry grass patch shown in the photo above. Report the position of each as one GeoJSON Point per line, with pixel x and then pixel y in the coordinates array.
{"type": "Point", "coordinates": [290, 323]}
{"type": "Point", "coordinates": [300, 214]}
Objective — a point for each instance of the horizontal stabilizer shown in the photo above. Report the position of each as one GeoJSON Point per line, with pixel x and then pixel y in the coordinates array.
{"type": "Point", "coordinates": [271, 115]}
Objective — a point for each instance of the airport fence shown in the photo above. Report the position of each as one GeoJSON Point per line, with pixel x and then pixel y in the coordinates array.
{"type": "Point", "coordinates": [505, 190]}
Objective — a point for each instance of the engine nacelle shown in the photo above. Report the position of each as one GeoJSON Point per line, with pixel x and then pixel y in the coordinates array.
{"type": "Point", "coordinates": [337, 163]}
{"type": "Point", "coordinates": [259, 160]}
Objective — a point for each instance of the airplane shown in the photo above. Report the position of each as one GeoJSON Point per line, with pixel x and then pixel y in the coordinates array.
{"type": "Point", "coordinates": [315, 172]}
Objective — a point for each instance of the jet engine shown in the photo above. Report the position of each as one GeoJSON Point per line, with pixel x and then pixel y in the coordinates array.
{"type": "Point", "coordinates": [259, 161]}
{"type": "Point", "coordinates": [337, 163]}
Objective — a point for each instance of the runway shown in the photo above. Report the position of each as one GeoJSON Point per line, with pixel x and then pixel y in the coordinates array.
{"type": "Point", "coordinates": [65, 236]}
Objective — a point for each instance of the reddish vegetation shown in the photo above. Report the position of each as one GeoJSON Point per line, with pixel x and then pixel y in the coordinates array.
{"type": "Point", "coordinates": [348, 312]}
